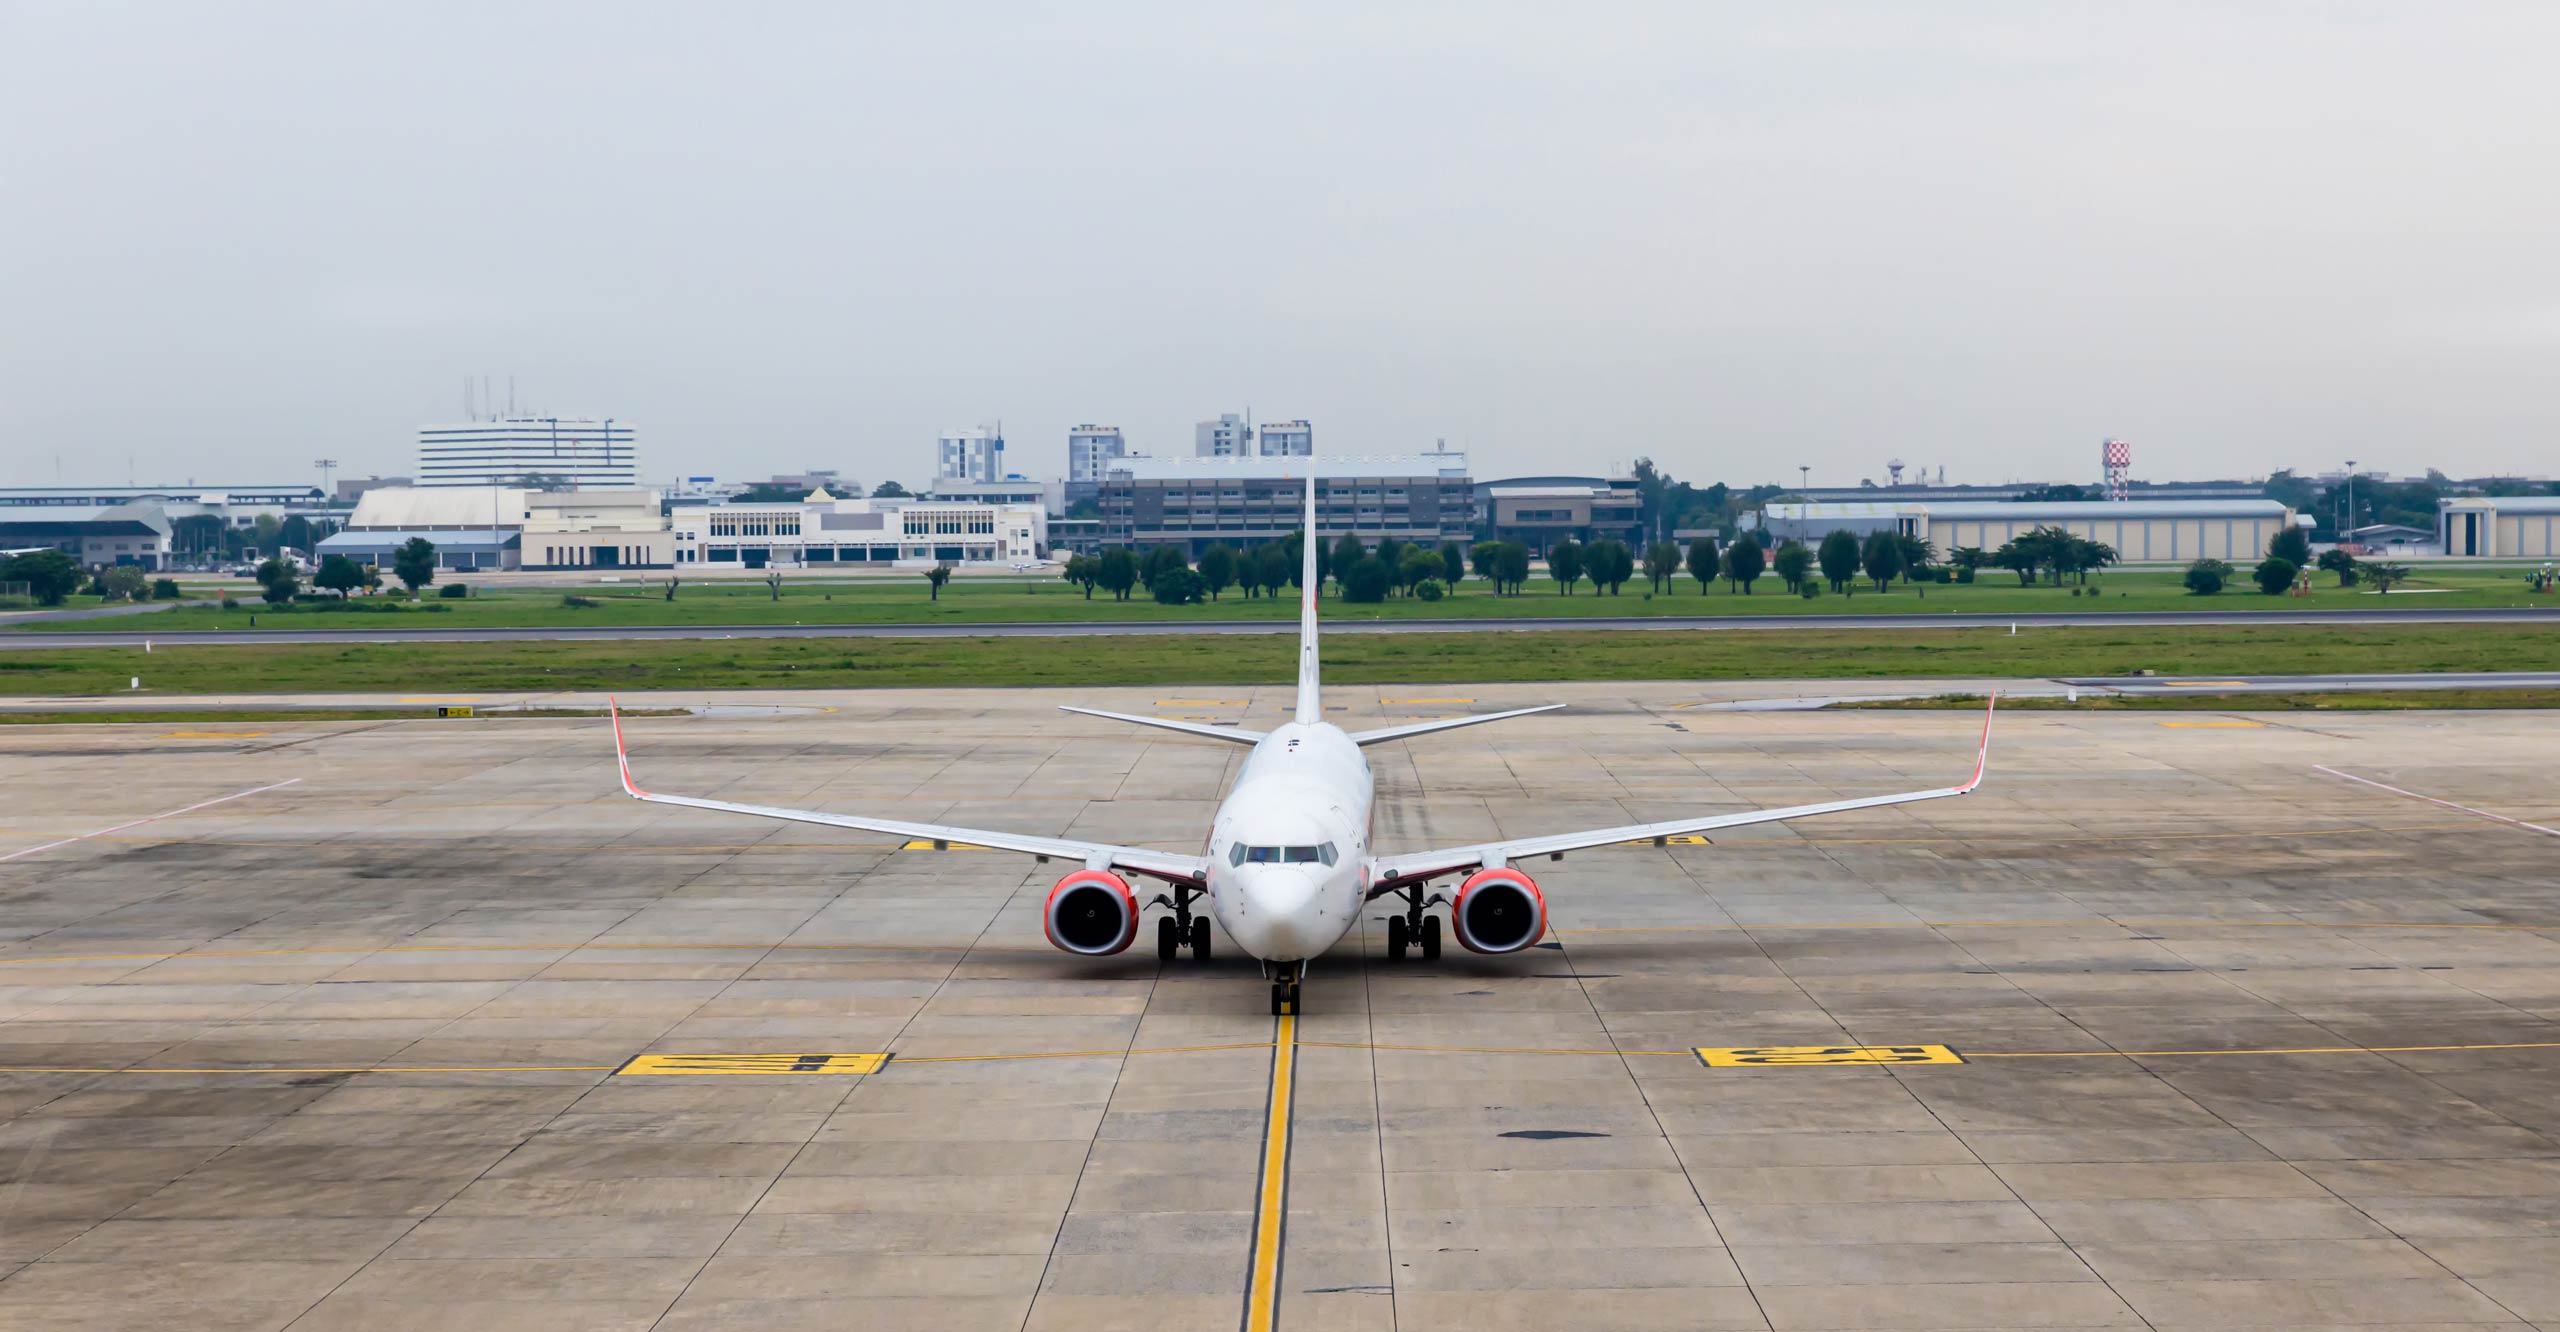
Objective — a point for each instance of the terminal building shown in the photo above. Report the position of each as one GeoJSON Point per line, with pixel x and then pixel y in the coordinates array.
{"type": "Point", "coordinates": [473, 529]}
{"type": "Point", "coordinates": [135, 532]}
{"type": "Point", "coordinates": [2175, 531]}
{"type": "Point", "coordinates": [820, 532]}
{"type": "Point", "coordinates": [1246, 500]}
{"type": "Point", "coordinates": [1542, 511]}
{"type": "Point", "coordinates": [2516, 527]}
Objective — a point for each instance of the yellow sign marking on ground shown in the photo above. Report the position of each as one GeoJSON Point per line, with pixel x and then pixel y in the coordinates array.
{"type": "Point", "coordinates": [718, 1065]}
{"type": "Point", "coordinates": [213, 735]}
{"type": "Point", "coordinates": [921, 844]}
{"type": "Point", "coordinates": [2215, 726]}
{"type": "Point", "coordinates": [1820, 1056]}
{"type": "Point", "coordinates": [454, 710]}
{"type": "Point", "coordinates": [1262, 1291]}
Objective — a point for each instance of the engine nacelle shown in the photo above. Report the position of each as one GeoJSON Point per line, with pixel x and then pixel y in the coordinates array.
{"type": "Point", "coordinates": [1091, 912]}
{"type": "Point", "coordinates": [1498, 911]}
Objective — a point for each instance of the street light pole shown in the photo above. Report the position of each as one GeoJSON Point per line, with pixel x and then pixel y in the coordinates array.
{"type": "Point", "coordinates": [2349, 527]}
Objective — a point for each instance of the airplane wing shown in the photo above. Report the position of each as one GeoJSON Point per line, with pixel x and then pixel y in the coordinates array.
{"type": "Point", "coordinates": [1386, 733]}
{"type": "Point", "coordinates": [1397, 871]}
{"type": "Point", "coordinates": [1097, 855]}
{"type": "Point", "coordinates": [1230, 734]}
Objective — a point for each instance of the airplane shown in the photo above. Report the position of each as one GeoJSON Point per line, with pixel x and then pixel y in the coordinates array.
{"type": "Point", "coordinates": [1288, 864]}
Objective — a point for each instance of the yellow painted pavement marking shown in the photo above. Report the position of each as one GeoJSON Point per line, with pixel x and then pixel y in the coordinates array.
{"type": "Point", "coordinates": [751, 1065]}
{"type": "Point", "coordinates": [2215, 726]}
{"type": "Point", "coordinates": [1271, 1212]}
{"type": "Point", "coordinates": [924, 844]}
{"type": "Point", "coordinates": [1818, 1056]}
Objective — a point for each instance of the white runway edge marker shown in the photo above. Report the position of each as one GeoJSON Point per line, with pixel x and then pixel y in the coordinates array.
{"type": "Point", "coordinates": [2385, 786]}
{"type": "Point", "coordinates": [169, 814]}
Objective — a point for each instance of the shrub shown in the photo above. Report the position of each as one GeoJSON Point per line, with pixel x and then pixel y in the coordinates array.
{"type": "Point", "coordinates": [1809, 589]}
{"type": "Point", "coordinates": [1429, 590]}
{"type": "Point", "coordinates": [1946, 575]}
{"type": "Point", "coordinates": [165, 589]}
{"type": "Point", "coordinates": [454, 591]}
{"type": "Point", "coordinates": [1965, 574]}
{"type": "Point", "coordinates": [2275, 575]}
{"type": "Point", "coordinates": [1366, 580]}
{"type": "Point", "coordinates": [1176, 586]}
{"type": "Point", "coordinates": [2206, 577]}
{"type": "Point", "coordinates": [575, 602]}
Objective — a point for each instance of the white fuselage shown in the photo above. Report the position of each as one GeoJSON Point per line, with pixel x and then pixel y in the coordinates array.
{"type": "Point", "coordinates": [1289, 853]}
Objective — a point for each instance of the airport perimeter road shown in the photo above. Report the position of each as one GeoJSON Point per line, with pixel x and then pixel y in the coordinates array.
{"type": "Point", "coordinates": [1337, 621]}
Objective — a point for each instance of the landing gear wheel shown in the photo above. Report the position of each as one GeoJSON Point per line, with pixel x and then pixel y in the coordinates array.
{"type": "Point", "coordinates": [1168, 938]}
{"type": "Point", "coordinates": [1397, 940]}
{"type": "Point", "coordinates": [1200, 938]}
{"type": "Point", "coordinates": [1284, 989]}
{"type": "Point", "coordinates": [1431, 938]}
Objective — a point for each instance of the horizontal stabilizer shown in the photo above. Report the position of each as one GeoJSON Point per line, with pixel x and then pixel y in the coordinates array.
{"type": "Point", "coordinates": [1231, 734]}
{"type": "Point", "coordinates": [1443, 724]}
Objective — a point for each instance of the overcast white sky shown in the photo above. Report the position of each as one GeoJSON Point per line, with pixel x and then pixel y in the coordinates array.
{"type": "Point", "coordinates": [1737, 237]}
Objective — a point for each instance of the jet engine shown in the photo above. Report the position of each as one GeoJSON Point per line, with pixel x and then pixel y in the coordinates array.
{"type": "Point", "coordinates": [1091, 912]}
{"type": "Point", "coordinates": [1499, 911]}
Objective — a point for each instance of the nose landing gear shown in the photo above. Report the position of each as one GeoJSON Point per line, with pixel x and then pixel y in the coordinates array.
{"type": "Point", "coordinates": [1284, 987]}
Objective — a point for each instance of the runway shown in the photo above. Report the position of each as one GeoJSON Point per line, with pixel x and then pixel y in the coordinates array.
{"type": "Point", "coordinates": [1342, 621]}
{"type": "Point", "coordinates": [2167, 1026]}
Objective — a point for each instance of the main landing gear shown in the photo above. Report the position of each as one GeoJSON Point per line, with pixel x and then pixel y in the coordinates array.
{"type": "Point", "coordinates": [1284, 987]}
{"type": "Point", "coordinates": [1181, 929]}
{"type": "Point", "coordinates": [1413, 929]}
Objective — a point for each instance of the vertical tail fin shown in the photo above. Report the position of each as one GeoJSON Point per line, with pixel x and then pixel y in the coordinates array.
{"type": "Point", "coordinates": [1310, 679]}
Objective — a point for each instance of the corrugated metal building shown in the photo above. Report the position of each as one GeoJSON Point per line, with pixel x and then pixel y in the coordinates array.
{"type": "Point", "coordinates": [2174, 531]}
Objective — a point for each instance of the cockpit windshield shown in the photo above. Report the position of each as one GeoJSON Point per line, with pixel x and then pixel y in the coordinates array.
{"type": "Point", "coordinates": [1241, 854]}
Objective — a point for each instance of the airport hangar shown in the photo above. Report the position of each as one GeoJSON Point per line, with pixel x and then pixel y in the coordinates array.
{"type": "Point", "coordinates": [2140, 530]}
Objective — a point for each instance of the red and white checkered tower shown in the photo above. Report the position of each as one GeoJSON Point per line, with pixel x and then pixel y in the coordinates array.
{"type": "Point", "coordinates": [2118, 457]}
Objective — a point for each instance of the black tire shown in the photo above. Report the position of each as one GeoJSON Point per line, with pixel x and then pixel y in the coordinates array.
{"type": "Point", "coordinates": [1168, 939]}
{"type": "Point", "coordinates": [1397, 941]}
{"type": "Point", "coordinates": [1431, 938]}
{"type": "Point", "coordinates": [1200, 938]}
{"type": "Point", "coordinates": [1281, 997]}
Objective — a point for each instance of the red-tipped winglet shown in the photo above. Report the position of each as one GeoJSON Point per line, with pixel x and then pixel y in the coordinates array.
{"type": "Point", "coordinates": [622, 758]}
{"type": "Point", "coordinates": [1981, 757]}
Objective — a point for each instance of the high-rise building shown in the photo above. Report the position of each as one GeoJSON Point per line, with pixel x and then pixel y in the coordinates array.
{"type": "Point", "coordinates": [533, 451]}
{"type": "Point", "coordinates": [1288, 439]}
{"type": "Point", "coordinates": [1090, 449]}
{"type": "Point", "coordinates": [1229, 436]}
{"type": "Point", "coordinates": [970, 455]}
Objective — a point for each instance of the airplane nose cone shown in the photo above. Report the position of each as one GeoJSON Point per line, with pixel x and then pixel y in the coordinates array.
{"type": "Point", "coordinates": [1279, 915]}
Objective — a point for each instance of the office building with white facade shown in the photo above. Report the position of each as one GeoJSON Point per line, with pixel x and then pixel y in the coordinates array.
{"type": "Point", "coordinates": [1090, 449]}
{"type": "Point", "coordinates": [1228, 436]}
{"type": "Point", "coordinates": [583, 453]}
{"type": "Point", "coordinates": [1288, 439]}
{"type": "Point", "coordinates": [969, 455]}
{"type": "Point", "coordinates": [827, 533]}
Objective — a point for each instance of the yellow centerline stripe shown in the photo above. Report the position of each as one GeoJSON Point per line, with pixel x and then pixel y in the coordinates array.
{"type": "Point", "coordinates": [1271, 1212]}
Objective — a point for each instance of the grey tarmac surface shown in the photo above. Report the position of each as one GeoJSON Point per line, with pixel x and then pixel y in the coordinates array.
{"type": "Point", "coordinates": [2246, 1046]}
{"type": "Point", "coordinates": [1347, 624]}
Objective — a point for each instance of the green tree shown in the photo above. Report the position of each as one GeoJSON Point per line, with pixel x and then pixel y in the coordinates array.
{"type": "Point", "coordinates": [1704, 565]}
{"type": "Point", "coordinates": [934, 578]}
{"type": "Point", "coordinates": [1176, 586]}
{"type": "Point", "coordinates": [1882, 557]}
{"type": "Point", "coordinates": [2206, 577]}
{"type": "Point", "coordinates": [1838, 557]}
{"type": "Point", "coordinates": [1917, 556]}
{"type": "Point", "coordinates": [1453, 564]}
{"type": "Point", "coordinates": [414, 563]}
{"type": "Point", "coordinates": [1347, 551]}
{"type": "Point", "coordinates": [295, 534]}
{"type": "Point", "coordinates": [1082, 570]}
{"type": "Point", "coordinates": [2275, 575]}
{"type": "Point", "coordinates": [1419, 565]}
{"type": "Point", "coordinates": [1365, 580]}
{"type": "Point", "coordinates": [2384, 576]}
{"type": "Point", "coordinates": [1966, 559]}
{"type": "Point", "coordinates": [2342, 564]}
{"type": "Point", "coordinates": [1279, 562]}
{"type": "Point", "coordinates": [2020, 557]}
{"type": "Point", "coordinates": [1793, 563]}
{"type": "Point", "coordinates": [1564, 564]}
{"type": "Point", "coordinates": [1486, 557]}
{"type": "Point", "coordinates": [124, 582]}
{"type": "Point", "coordinates": [543, 481]}
{"type": "Point", "coordinates": [1661, 563]}
{"type": "Point", "coordinates": [2291, 545]}
{"type": "Point", "coordinates": [1744, 562]}
{"type": "Point", "coordinates": [1217, 568]}
{"type": "Point", "coordinates": [1514, 566]}
{"type": "Point", "coordinates": [2086, 556]}
{"type": "Point", "coordinates": [1117, 572]}
{"type": "Point", "coordinates": [279, 579]}
{"type": "Point", "coordinates": [269, 530]}
{"type": "Point", "coordinates": [889, 490]}
{"type": "Point", "coordinates": [339, 574]}
{"type": "Point", "coordinates": [1610, 565]}
{"type": "Point", "coordinates": [1163, 559]}
{"type": "Point", "coordinates": [50, 575]}
{"type": "Point", "coordinates": [165, 589]}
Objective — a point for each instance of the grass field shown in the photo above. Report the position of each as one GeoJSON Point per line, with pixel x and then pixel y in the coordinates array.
{"type": "Point", "coordinates": [1231, 659]}
{"type": "Point", "coordinates": [982, 601]}
{"type": "Point", "coordinates": [2369, 700]}
{"type": "Point", "coordinates": [226, 716]}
